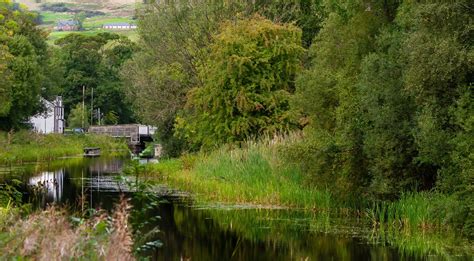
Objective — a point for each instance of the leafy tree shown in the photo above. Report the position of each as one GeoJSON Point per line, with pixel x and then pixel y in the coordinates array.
{"type": "Point", "coordinates": [79, 19]}
{"type": "Point", "coordinates": [388, 101]}
{"type": "Point", "coordinates": [94, 62]}
{"type": "Point", "coordinates": [438, 75]}
{"type": "Point", "coordinates": [23, 65]}
{"type": "Point", "coordinates": [327, 95]}
{"type": "Point", "coordinates": [248, 80]}
{"type": "Point", "coordinates": [175, 37]}
{"type": "Point", "coordinates": [79, 117]}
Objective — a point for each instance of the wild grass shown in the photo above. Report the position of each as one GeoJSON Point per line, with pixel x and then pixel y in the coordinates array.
{"type": "Point", "coordinates": [27, 146]}
{"type": "Point", "coordinates": [254, 174]}
{"type": "Point", "coordinates": [51, 235]}
{"type": "Point", "coordinates": [420, 210]}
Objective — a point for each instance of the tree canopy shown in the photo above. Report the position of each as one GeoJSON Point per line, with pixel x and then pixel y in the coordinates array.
{"type": "Point", "coordinates": [93, 63]}
{"type": "Point", "coordinates": [247, 83]}
{"type": "Point", "coordinates": [23, 65]}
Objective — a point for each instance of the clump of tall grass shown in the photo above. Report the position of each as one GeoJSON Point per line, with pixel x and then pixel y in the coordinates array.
{"type": "Point", "coordinates": [420, 210]}
{"type": "Point", "coordinates": [253, 173]}
{"type": "Point", "coordinates": [51, 235]}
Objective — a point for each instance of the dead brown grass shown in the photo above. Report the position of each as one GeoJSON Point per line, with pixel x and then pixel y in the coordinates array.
{"type": "Point", "coordinates": [50, 235]}
{"type": "Point", "coordinates": [121, 242]}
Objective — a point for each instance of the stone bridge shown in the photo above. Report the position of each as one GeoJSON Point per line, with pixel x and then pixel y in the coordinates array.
{"type": "Point", "coordinates": [136, 133]}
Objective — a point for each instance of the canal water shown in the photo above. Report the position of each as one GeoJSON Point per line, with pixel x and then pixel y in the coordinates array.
{"type": "Point", "coordinates": [173, 228]}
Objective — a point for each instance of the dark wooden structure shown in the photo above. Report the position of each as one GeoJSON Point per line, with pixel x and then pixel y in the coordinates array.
{"type": "Point", "coordinates": [92, 152]}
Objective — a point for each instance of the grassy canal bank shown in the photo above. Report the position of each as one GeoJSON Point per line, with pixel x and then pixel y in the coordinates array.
{"type": "Point", "coordinates": [259, 176]}
{"type": "Point", "coordinates": [26, 146]}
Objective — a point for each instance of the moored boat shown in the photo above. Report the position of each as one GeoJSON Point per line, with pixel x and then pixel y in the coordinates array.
{"type": "Point", "coordinates": [92, 152]}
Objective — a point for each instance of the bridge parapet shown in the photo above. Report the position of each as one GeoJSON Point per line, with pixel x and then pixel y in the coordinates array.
{"type": "Point", "coordinates": [130, 131]}
{"type": "Point", "coordinates": [136, 133]}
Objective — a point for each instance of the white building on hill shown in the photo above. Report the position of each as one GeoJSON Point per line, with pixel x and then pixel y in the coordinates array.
{"type": "Point", "coordinates": [119, 26]}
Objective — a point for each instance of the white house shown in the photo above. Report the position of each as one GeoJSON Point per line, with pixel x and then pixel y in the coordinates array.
{"type": "Point", "coordinates": [52, 120]}
{"type": "Point", "coordinates": [119, 26]}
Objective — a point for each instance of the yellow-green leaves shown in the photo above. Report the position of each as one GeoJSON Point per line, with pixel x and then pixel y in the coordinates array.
{"type": "Point", "coordinates": [247, 82]}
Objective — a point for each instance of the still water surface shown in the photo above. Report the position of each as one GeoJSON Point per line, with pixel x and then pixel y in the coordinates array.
{"type": "Point", "coordinates": [192, 232]}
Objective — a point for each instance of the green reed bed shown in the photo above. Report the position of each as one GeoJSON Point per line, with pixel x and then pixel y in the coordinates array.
{"type": "Point", "coordinates": [252, 175]}
{"type": "Point", "coordinates": [31, 147]}
{"type": "Point", "coordinates": [422, 210]}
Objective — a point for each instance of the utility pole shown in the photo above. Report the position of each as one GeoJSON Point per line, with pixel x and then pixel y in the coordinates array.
{"type": "Point", "coordinates": [92, 105]}
{"type": "Point", "coordinates": [83, 104]}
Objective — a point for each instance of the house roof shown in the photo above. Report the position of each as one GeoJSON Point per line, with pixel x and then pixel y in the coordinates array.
{"type": "Point", "coordinates": [118, 24]}
{"type": "Point", "coordinates": [68, 23]}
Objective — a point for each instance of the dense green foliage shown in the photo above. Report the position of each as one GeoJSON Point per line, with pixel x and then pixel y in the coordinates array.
{"type": "Point", "coordinates": [93, 62]}
{"type": "Point", "coordinates": [247, 83]}
{"type": "Point", "coordinates": [389, 99]}
{"type": "Point", "coordinates": [23, 66]}
{"type": "Point", "coordinates": [176, 38]}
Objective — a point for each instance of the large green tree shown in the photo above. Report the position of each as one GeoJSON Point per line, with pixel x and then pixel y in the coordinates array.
{"type": "Point", "coordinates": [175, 36]}
{"type": "Point", "coordinates": [327, 94]}
{"type": "Point", "coordinates": [23, 65]}
{"type": "Point", "coordinates": [92, 63]}
{"type": "Point", "coordinates": [247, 82]}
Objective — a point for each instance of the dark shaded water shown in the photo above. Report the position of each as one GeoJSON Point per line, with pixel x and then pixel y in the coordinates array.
{"type": "Point", "coordinates": [190, 232]}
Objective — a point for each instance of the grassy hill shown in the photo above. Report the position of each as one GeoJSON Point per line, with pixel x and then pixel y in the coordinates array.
{"type": "Point", "coordinates": [99, 12]}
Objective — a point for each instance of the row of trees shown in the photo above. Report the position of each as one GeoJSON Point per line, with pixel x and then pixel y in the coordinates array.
{"type": "Point", "coordinates": [92, 63]}
{"type": "Point", "coordinates": [390, 95]}
{"type": "Point", "coordinates": [383, 89]}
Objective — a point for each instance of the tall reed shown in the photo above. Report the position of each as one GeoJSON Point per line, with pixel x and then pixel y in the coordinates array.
{"type": "Point", "coordinates": [253, 174]}
{"type": "Point", "coordinates": [418, 210]}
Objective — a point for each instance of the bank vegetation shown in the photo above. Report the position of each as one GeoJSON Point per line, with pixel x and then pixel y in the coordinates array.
{"type": "Point", "coordinates": [381, 90]}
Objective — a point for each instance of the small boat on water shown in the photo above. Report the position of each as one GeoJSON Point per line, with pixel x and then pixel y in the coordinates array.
{"type": "Point", "coordinates": [91, 152]}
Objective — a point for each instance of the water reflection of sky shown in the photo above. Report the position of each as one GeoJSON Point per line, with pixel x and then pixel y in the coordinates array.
{"type": "Point", "coordinates": [51, 182]}
{"type": "Point", "coordinates": [70, 183]}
